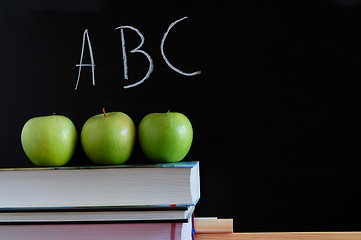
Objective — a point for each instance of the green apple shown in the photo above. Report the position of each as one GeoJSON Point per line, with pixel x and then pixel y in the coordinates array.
{"type": "Point", "coordinates": [108, 138]}
{"type": "Point", "coordinates": [49, 140]}
{"type": "Point", "coordinates": [165, 137]}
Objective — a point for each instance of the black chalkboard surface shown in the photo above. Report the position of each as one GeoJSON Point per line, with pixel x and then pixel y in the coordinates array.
{"type": "Point", "coordinates": [274, 99]}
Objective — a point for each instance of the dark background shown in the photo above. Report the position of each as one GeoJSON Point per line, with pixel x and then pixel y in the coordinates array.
{"type": "Point", "coordinates": [275, 111]}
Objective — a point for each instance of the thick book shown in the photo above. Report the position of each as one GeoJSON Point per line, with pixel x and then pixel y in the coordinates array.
{"type": "Point", "coordinates": [90, 215]}
{"type": "Point", "coordinates": [127, 186]}
{"type": "Point", "coordinates": [97, 231]}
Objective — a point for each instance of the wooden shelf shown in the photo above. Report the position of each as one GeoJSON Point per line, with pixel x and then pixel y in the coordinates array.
{"type": "Point", "coordinates": [222, 229]}
{"type": "Point", "coordinates": [281, 236]}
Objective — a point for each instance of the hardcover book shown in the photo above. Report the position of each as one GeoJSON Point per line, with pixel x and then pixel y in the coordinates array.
{"type": "Point", "coordinates": [97, 231]}
{"type": "Point", "coordinates": [101, 215]}
{"type": "Point", "coordinates": [120, 186]}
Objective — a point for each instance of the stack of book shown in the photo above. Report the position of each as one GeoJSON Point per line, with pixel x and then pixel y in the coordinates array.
{"type": "Point", "coordinates": [142, 202]}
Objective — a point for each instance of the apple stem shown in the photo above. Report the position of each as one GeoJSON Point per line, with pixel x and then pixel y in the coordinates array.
{"type": "Point", "coordinates": [168, 111]}
{"type": "Point", "coordinates": [105, 114]}
{"type": "Point", "coordinates": [53, 113]}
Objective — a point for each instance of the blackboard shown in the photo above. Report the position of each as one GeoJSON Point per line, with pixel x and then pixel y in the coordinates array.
{"type": "Point", "coordinates": [275, 108]}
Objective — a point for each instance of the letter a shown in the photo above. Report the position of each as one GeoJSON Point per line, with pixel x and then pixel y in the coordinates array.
{"type": "Point", "coordinates": [80, 65]}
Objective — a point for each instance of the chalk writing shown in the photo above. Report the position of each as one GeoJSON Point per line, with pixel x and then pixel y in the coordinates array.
{"type": "Point", "coordinates": [135, 50]}
{"type": "Point", "coordinates": [163, 54]}
{"type": "Point", "coordinates": [86, 39]}
{"type": "Point", "coordinates": [80, 65]}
